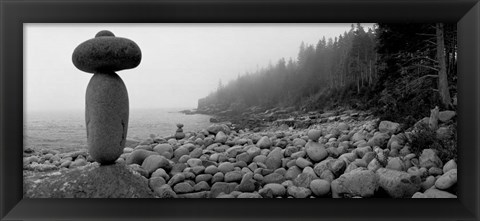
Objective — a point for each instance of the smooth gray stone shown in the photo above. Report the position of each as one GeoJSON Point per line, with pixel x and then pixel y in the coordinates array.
{"type": "Point", "coordinates": [104, 33]}
{"type": "Point", "coordinates": [106, 53]}
{"type": "Point", "coordinates": [106, 116]}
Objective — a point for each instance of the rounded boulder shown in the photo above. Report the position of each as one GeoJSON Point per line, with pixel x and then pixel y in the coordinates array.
{"type": "Point", "coordinates": [316, 151]}
{"type": "Point", "coordinates": [106, 53]}
{"type": "Point", "coordinates": [320, 187]}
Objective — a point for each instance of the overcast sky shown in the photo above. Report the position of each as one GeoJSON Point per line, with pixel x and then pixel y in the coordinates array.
{"type": "Point", "coordinates": [180, 62]}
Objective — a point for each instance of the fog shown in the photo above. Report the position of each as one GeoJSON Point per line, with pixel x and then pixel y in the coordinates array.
{"type": "Point", "coordinates": [180, 62]}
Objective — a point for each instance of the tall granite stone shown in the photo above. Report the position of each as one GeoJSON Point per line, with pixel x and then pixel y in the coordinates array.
{"type": "Point", "coordinates": [107, 105]}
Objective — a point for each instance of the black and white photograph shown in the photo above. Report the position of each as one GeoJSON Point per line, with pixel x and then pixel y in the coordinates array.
{"type": "Point", "coordinates": [240, 110]}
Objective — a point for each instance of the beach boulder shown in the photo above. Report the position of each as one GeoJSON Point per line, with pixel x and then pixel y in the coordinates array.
{"type": "Point", "coordinates": [91, 181]}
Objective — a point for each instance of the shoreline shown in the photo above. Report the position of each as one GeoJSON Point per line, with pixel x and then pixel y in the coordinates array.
{"type": "Point", "coordinates": [356, 156]}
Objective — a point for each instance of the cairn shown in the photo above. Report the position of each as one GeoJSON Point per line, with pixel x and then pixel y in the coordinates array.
{"type": "Point", "coordinates": [179, 133]}
{"type": "Point", "coordinates": [315, 150]}
{"type": "Point", "coordinates": [106, 106]}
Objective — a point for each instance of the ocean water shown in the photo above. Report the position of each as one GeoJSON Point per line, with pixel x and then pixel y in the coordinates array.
{"type": "Point", "coordinates": [66, 131]}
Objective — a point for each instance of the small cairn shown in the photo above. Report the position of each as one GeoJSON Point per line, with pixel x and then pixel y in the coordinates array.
{"type": "Point", "coordinates": [315, 150]}
{"type": "Point", "coordinates": [107, 108]}
{"type": "Point", "coordinates": [179, 133]}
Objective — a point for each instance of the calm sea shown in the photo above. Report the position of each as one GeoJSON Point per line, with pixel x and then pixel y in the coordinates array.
{"type": "Point", "coordinates": [65, 130]}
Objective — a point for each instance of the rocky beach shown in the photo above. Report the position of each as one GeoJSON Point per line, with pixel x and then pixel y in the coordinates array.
{"type": "Point", "coordinates": [291, 154]}
{"type": "Point", "coordinates": [308, 146]}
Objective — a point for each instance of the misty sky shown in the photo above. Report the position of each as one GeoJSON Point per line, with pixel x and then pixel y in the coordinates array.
{"type": "Point", "coordinates": [180, 62]}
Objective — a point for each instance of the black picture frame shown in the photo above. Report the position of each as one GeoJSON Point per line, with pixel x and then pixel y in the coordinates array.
{"type": "Point", "coordinates": [15, 13]}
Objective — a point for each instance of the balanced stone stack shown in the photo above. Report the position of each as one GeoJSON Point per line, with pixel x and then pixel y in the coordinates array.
{"type": "Point", "coordinates": [179, 133]}
{"type": "Point", "coordinates": [106, 111]}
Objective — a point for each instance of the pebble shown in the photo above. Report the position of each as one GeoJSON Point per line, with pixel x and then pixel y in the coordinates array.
{"type": "Point", "coordinates": [249, 195]}
{"type": "Point", "coordinates": [277, 190]}
{"type": "Point", "coordinates": [197, 170]}
{"type": "Point", "coordinates": [445, 116]}
{"type": "Point", "coordinates": [396, 164]}
{"type": "Point", "coordinates": [211, 169]}
{"type": "Point", "coordinates": [419, 195]}
{"type": "Point", "coordinates": [244, 157]}
{"type": "Point", "coordinates": [233, 176]}
{"type": "Point", "coordinates": [203, 177]}
{"type": "Point", "coordinates": [183, 188]}
{"type": "Point", "coordinates": [156, 182]}
{"type": "Point", "coordinates": [435, 171]}
{"type": "Point", "coordinates": [264, 143]}
{"type": "Point", "coordinates": [201, 186]}
{"type": "Point", "coordinates": [164, 149]}
{"type": "Point", "coordinates": [315, 151]}
{"type": "Point", "coordinates": [177, 168]}
{"type": "Point", "coordinates": [78, 163]}
{"type": "Point", "coordinates": [138, 156]}
{"type": "Point", "coordinates": [429, 158]}
{"type": "Point", "coordinates": [360, 163]}
{"type": "Point", "coordinates": [274, 159]}
{"type": "Point", "coordinates": [177, 178]}
{"type": "Point", "coordinates": [273, 178]}
{"type": "Point", "coordinates": [398, 184]}
{"type": "Point", "coordinates": [299, 142]}
{"type": "Point", "coordinates": [374, 165]}
{"type": "Point", "coordinates": [447, 180]}
{"type": "Point", "coordinates": [165, 191]}
{"type": "Point", "coordinates": [181, 151]}
{"type": "Point", "coordinates": [435, 193]}
{"type": "Point", "coordinates": [337, 167]}
{"type": "Point", "coordinates": [192, 162]}
{"type": "Point", "coordinates": [379, 139]}
{"type": "Point", "coordinates": [302, 163]}
{"type": "Point", "coordinates": [218, 177]}
{"type": "Point", "coordinates": [160, 172]}
{"type": "Point", "coordinates": [184, 159]}
{"type": "Point", "coordinates": [298, 192]}
{"type": "Point", "coordinates": [153, 162]}
{"type": "Point", "coordinates": [415, 171]}
{"type": "Point", "coordinates": [359, 182]}
{"type": "Point", "coordinates": [308, 170]}
{"type": "Point", "coordinates": [427, 183]}
{"type": "Point", "coordinates": [221, 137]}
{"type": "Point", "coordinates": [215, 128]}
{"type": "Point", "coordinates": [303, 180]}
{"type": "Point", "coordinates": [450, 165]}
{"type": "Point", "coordinates": [320, 187]}
{"type": "Point", "coordinates": [65, 163]}
{"type": "Point", "coordinates": [221, 187]}
{"type": "Point", "coordinates": [225, 167]}
{"type": "Point", "coordinates": [258, 177]}
{"type": "Point", "coordinates": [388, 127]}
{"type": "Point", "coordinates": [247, 184]}
{"type": "Point", "coordinates": [327, 175]}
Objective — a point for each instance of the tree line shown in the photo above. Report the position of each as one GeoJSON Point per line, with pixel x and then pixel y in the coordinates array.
{"type": "Point", "coordinates": [387, 68]}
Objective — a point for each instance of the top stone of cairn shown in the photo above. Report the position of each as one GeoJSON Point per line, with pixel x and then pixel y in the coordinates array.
{"type": "Point", "coordinates": [106, 53]}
